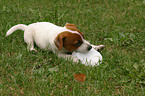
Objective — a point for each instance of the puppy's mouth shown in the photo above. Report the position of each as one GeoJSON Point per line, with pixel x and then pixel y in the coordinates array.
{"type": "Point", "coordinates": [69, 53]}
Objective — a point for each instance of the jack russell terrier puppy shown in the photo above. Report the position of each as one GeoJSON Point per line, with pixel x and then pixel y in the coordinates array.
{"type": "Point", "coordinates": [60, 40]}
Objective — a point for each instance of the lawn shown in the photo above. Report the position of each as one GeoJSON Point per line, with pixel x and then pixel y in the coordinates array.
{"type": "Point", "coordinates": [117, 24]}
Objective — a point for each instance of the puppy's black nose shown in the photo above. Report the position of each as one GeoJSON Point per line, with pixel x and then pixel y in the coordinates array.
{"type": "Point", "coordinates": [89, 47]}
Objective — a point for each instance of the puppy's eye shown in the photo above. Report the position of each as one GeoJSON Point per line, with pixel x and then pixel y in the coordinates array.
{"type": "Point", "coordinates": [77, 43]}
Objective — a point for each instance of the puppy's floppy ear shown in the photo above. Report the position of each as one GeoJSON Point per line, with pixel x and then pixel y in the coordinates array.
{"type": "Point", "coordinates": [69, 24]}
{"type": "Point", "coordinates": [73, 27]}
{"type": "Point", "coordinates": [59, 41]}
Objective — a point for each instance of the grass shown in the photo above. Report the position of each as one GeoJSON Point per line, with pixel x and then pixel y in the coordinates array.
{"type": "Point", "coordinates": [118, 24]}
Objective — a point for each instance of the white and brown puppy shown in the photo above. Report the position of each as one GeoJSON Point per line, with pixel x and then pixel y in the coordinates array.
{"type": "Point", "coordinates": [51, 37]}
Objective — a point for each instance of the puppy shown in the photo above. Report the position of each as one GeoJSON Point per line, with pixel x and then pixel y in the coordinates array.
{"type": "Point", "coordinates": [51, 37]}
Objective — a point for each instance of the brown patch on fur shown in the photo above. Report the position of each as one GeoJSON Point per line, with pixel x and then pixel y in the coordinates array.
{"type": "Point", "coordinates": [73, 27]}
{"type": "Point", "coordinates": [70, 41]}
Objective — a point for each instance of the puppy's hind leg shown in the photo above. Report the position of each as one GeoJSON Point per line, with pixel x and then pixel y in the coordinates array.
{"type": "Point", "coordinates": [30, 46]}
{"type": "Point", "coordinates": [28, 37]}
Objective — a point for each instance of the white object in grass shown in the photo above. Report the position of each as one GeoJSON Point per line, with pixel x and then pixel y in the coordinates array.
{"type": "Point", "coordinates": [92, 57]}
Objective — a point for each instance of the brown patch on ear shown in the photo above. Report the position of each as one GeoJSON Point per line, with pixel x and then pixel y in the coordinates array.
{"type": "Point", "coordinates": [73, 27]}
{"type": "Point", "coordinates": [59, 41]}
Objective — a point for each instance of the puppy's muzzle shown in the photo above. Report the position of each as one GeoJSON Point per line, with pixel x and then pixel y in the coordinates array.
{"type": "Point", "coordinates": [89, 47]}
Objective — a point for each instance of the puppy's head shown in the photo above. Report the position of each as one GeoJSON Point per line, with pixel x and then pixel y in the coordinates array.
{"type": "Point", "coordinates": [72, 40]}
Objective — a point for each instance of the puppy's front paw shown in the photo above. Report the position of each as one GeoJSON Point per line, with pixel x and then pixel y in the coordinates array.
{"type": "Point", "coordinates": [100, 47]}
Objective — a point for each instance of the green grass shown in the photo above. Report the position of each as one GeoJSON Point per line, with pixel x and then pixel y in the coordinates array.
{"type": "Point", "coordinates": [118, 24]}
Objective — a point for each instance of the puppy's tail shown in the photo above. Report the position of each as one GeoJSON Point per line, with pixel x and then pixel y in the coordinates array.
{"type": "Point", "coordinates": [16, 27]}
